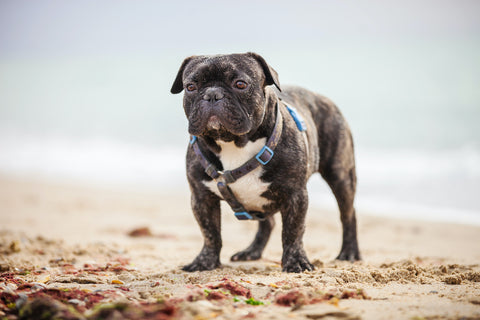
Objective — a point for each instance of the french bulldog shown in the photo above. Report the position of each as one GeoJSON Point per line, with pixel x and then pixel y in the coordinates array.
{"type": "Point", "coordinates": [241, 120]}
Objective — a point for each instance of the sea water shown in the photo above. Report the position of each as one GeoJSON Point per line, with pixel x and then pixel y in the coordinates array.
{"type": "Point", "coordinates": [90, 101]}
{"type": "Point", "coordinates": [416, 132]}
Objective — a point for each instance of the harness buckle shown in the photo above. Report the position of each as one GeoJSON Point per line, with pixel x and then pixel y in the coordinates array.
{"type": "Point", "coordinates": [265, 155]}
{"type": "Point", "coordinates": [243, 215]}
{"type": "Point", "coordinates": [227, 177]}
{"type": "Point", "coordinates": [212, 171]}
{"type": "Point", "coordinates": [193, 139]}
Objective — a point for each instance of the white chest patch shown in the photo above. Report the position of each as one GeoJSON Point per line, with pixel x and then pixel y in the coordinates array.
{"type": "Point", "coordinates": [247, 189]}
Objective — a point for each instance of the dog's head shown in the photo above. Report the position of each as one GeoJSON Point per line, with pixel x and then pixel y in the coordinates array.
{"type": "Point", "coordinates": [225, 94]}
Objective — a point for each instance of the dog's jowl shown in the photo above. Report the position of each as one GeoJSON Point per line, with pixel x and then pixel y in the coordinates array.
{"type": "Point", "coordinates": [254, 144]}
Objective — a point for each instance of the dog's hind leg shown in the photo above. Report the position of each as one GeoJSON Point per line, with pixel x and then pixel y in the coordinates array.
{"type": "Point", "coordinates": [254, 251]}
{"type": "Point", "coordinates": [338, 169]}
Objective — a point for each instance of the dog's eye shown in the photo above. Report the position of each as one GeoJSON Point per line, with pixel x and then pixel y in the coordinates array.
{"type": "Point", "coordinates": [240, 85]}
{"type": "Point", "coordinates": [191, 87]}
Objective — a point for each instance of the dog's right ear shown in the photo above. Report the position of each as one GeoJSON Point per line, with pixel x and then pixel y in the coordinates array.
{"type": "Point", "coordinates": [271, 76]}
{"type": "Point", "coordinates": [177, 86]}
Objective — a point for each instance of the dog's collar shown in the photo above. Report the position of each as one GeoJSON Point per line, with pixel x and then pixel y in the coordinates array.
{"type": "Point", "coordinates": [224, 178]}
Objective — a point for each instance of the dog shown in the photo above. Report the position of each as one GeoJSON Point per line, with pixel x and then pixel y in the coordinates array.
{"type": "Point", "coordinates": [255, 144]}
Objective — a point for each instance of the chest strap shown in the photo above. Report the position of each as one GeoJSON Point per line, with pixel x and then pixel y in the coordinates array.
{"type": "Point", "coordinates": [224, 178]}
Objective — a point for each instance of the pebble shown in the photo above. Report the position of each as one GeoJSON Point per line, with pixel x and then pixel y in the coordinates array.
{"type": "Point", "coordinates": [76, 302]}
{"type": "Point", "coordinates": [12, 286]}
{"type": "Point", "coordinates": [20, 302]}
{"type": "Point", "coordinates": [8, 290]}
{"type": "Point", "coordinates": [38, 287]}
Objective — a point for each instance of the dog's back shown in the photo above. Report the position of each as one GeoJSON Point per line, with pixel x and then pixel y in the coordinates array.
{"type": "Point", "coordinates": [334, 137]}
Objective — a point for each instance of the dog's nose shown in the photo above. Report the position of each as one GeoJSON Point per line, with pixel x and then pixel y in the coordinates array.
{"type": "Point", "coordinates": [213, 94]}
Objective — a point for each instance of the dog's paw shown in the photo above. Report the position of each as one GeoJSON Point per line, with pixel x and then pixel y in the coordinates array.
{"type": "Point", "coordinates": [202, 263]}
{"type": "Point", "coordinates": [297, 263]}
{"type": "Point", "coordinates": [247, 255]}
{"type": "Point", "coordinates": [349, 255]}
{"type": "Point", "coordinates": [200, 266]}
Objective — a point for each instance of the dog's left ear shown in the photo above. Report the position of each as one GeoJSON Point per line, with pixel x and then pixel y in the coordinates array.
{"type": "Point", "coordinates": [177, 86]}
{"type": "Point", "coordinates": [271, 76]}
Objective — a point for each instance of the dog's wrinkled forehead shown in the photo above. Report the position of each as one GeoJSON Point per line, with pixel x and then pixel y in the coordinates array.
{"type": "Point", "coordinates": [205, 69]}
{"type": "Point", "coordinates": [249, 67]}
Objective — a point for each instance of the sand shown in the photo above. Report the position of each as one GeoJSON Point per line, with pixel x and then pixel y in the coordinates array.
{"type": "Point", "coordinates": [67, 250]}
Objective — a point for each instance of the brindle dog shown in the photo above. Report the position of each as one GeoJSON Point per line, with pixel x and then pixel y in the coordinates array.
{"type": "Point", "coordinates": [233, 103]}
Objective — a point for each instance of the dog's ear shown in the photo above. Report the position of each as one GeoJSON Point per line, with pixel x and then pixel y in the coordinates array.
{"type": "Point", "coordinates": [177, 86]}
{"type": "Point", "coordinates": [271, 76]}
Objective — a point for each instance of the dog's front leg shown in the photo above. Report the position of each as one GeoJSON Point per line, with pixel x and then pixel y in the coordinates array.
{"type": "Point", "coordinates": [206, 208]}
{"type": "Point", "coordinates": [294, 258]}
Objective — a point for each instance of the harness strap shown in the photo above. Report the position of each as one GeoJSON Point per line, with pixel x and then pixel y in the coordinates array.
{"type": "Point", "coordinates": [263, 157]}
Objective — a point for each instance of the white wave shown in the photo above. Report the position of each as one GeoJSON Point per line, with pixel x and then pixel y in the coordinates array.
{"type": "Point", "coordinates": [95, 160]}
{"type": "Point", "coordinates": [435, 185]}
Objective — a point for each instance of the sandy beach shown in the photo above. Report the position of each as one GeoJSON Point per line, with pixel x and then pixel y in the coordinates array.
{"type": "Point", "coordinates": [77, 251]}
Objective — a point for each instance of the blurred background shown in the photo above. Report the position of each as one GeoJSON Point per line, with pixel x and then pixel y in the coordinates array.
{"type": "Point", "coordinates": [85, 90]}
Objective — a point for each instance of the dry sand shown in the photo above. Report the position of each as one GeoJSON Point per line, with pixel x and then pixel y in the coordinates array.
{"type": "Point", "coordinates": [65, 250]}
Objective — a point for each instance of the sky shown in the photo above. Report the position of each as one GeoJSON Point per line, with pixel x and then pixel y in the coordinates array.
{"type": "Point", "coordinates": [56, 28]}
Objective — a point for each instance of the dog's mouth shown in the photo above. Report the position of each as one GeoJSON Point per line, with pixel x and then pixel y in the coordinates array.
{"type": "Point", "coordinates": [217, 125]}
{"type": "Point", "coordinates": [213, 123]}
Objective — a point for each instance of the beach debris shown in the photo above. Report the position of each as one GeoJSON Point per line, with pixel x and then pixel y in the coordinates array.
{"type": "Point", "coordinates": [93, 286]}
{"type": "Point", "coordinates": [44, 279]}
{"type": "Point", "coordinates": [49, 308]}
{"type": "Point", "coordinates": [140, 232]}
{"type": "Point", "coordinates": [11, 277]}
{"type": "Point", "coordinates": [234, 287]}
{"type": "Point", "coordinates": [115, 281]}
{"type": "Point", "coordinates": [162, 311]}
{"type": "Point", "coordinates": [296, 297]}
{"type": "Point", "coordinates": [216, 295]}
{"type": "Point", "coordinates": [65, 295]}
{"type": "Point", "coordinates": [292, 298]}
{"type": "Point", "coordinates": [38, 286]}
{"type": "Point", "coordinates": [76, 302]}
{"type": "Point", "coordinates": [146, 232]}
{"type": "Point", "coordinates": [253, 302]}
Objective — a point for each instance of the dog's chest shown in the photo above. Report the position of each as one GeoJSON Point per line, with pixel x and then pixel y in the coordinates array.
{"type": "Point", "coordinates": [247, 189]}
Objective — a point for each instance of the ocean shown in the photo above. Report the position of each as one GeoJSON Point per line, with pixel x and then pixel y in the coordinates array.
{"type": "Point", "coordinates": [103, 113]}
